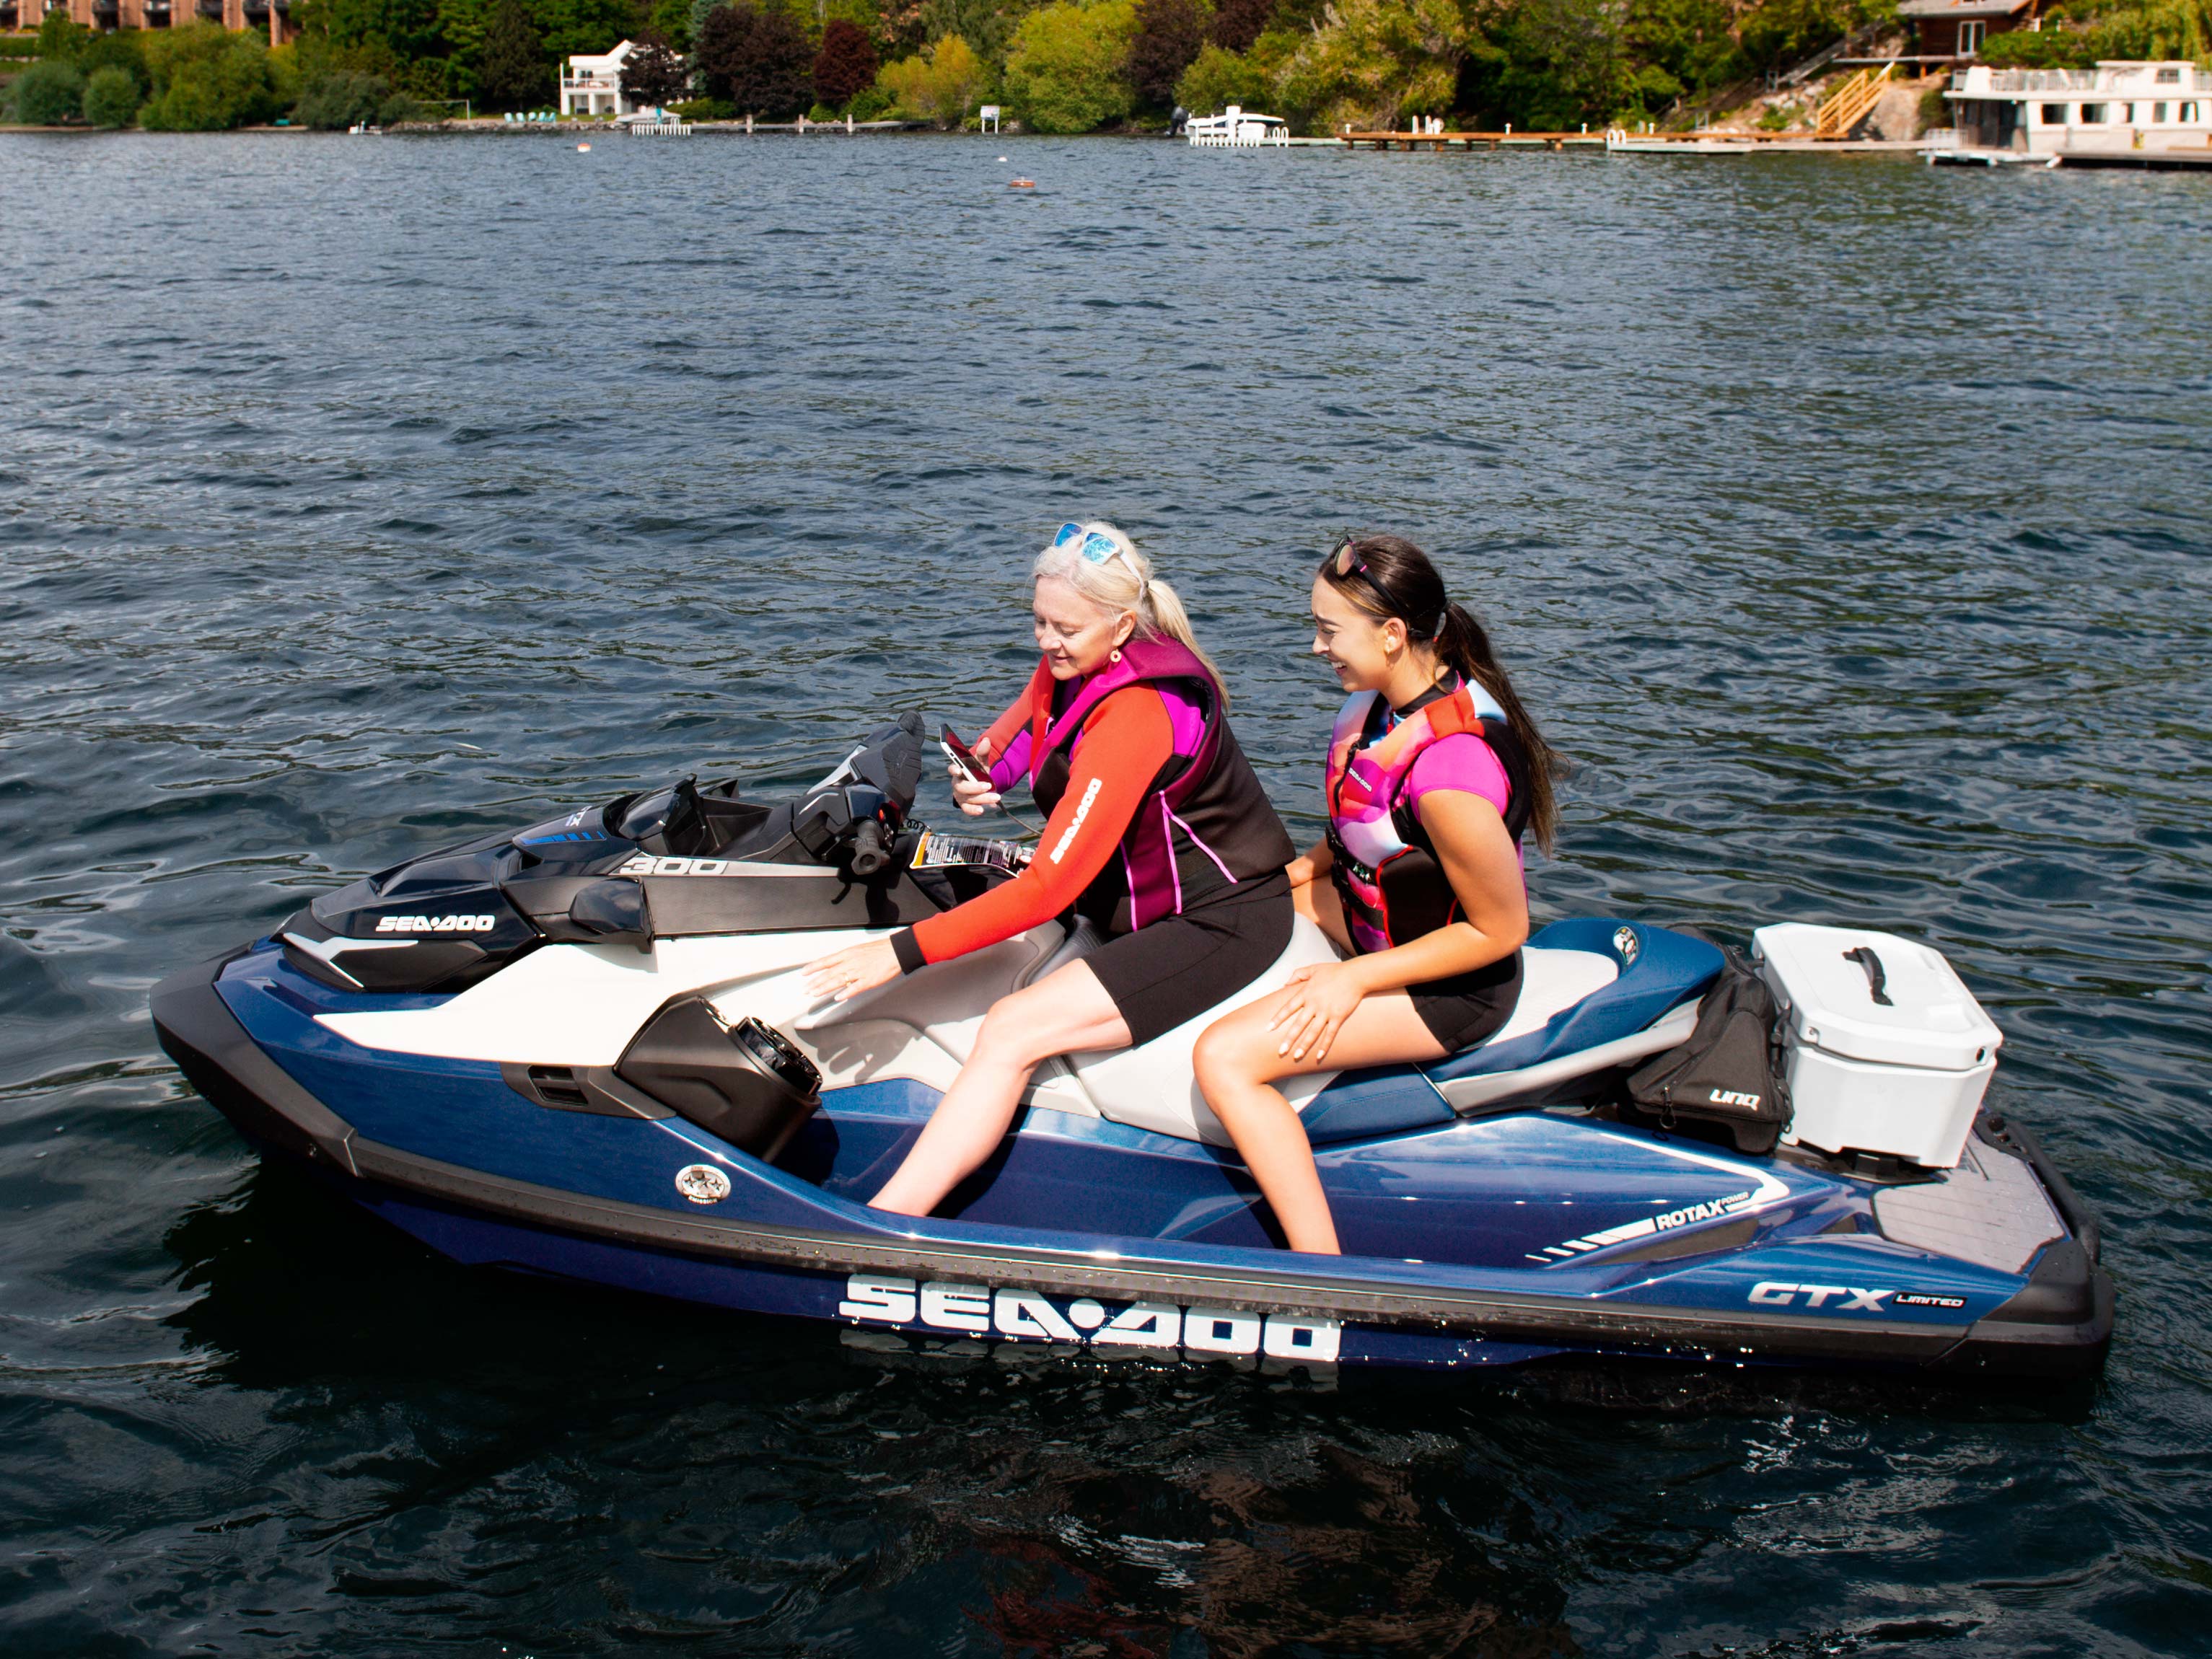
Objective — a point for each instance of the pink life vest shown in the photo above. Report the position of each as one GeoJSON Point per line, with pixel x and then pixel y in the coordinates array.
{"type": "Point", "coordinates": [1386, 872]}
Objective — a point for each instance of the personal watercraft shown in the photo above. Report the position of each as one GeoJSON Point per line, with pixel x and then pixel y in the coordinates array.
{"type": "Point", "coordinates": [584, 1050]}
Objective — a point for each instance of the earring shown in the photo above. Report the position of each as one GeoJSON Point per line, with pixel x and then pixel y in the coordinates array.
{"type": "Point", "coordinates": [1115, 655]}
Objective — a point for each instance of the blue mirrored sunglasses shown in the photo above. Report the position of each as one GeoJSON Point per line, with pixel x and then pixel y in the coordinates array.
{"type": "Point", "coordinates": [1096, 548]}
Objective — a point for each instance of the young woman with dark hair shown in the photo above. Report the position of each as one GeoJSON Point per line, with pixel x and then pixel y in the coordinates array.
{"type": "Point", "coordinates": [1435, 772]}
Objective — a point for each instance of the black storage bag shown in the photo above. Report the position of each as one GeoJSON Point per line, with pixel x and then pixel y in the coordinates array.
{"type": "Point", "coordinates": [1731, 1070]}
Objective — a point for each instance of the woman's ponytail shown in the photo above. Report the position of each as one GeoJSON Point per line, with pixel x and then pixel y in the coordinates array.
{"type": "Point", "coordinates": [1462, 643]}
{"type": "Point", "coordinates": [1162, 613]}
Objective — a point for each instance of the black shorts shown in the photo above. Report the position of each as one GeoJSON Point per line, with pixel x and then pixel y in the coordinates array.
{"type": "Point", "coordinates": [1173, 969]}
{"type": "Point", "coordinates": [1462, 1011]}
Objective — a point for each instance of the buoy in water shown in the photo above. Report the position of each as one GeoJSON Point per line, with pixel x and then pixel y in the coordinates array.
{"type": "Point", "coordinates": [583, 147]}
{"type": "Point", "coordinates": [1021, 184]}
{"type": "Point", "coordinates": [1002, 158]}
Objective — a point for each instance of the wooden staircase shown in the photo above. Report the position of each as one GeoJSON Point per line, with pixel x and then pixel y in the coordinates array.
{"type": "Point", "coordinates": [1851, 102]}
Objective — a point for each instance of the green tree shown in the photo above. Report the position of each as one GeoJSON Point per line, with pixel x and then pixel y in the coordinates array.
{"type": "Point", "coordinates": [1376, 62]}
{"type": "Point", "coordinates": [1548, 65]}
{"type": "Point", "coordinates": [1218, 78]}
{"type": "Point", "coordinates": [940, 84]}
{"type": "Point", "coordinates": [513, 71]}
{"type": "Point", "coordinates": [206, 79]}
{"type": "Point", "coordinates": [61, 40]}
{"type": "Point", "coordinates": [333, 101]}
{"type": "Point", "coordinates": [49, 92]}
{"type": "Point", "coordinates": [1064, 66]}
{"type": "Point", "coordinates": [987, 25]}
{"type": "Point", "coordinates": [1691, 42]}
{"type": "Point", "coordinates": [111, 96]}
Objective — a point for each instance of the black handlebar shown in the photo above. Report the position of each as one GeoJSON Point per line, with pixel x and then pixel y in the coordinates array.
{"type": "Point", "coordinates": [870, 858]}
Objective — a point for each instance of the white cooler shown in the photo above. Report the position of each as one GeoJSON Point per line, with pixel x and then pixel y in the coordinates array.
{"type": "Point", "coordinates": [1903, 1076]}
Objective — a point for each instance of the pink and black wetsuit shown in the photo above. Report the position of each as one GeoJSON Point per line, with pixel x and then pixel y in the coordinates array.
{"type": "Point", "coordinates": [1383, 763]}
{"type": "Point", "coordinates": [1158, 833]}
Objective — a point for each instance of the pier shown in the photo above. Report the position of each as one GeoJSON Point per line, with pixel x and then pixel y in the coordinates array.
{"type": "Point", "coordinates": [1508, 139]}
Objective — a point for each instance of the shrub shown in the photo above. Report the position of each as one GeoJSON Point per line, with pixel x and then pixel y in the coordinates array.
{"type": "Point", "coordinates": [654, 74]}
{"type": "Point", "coordinates": [758, 59]}
{"type": "Point", "coordinates": [1218, 78]}
{"type": "Point", "coordinates": [49, 92]}
{"type": "Point", "coordinates": [111, 96]}
{"type": "Point", "coordinates": [405, 106]}
{"type": "Point", "coordinates": [515, 72]}
{"type": "Point", "coordinates": [206, 79]}
{"type": "Point", "coordinates": [1168, 35]}
{"type": "Point", "coordinates": [2050, 47]}
{"type": "Point", "coordinates": [333, 102]}
{"type": "Point", "coordinates": [941, 84]}
{"type": "Point", "coordinates": [846, 66]}
{"type": "Point", "coordinates": [1064, 69]}
{"type": "Point", "coordinates": [706, 109]}
{"type": "Point", "coordinates": [871, 104]}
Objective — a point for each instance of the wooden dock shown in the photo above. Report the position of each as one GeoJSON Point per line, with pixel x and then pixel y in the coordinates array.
{"type": "Point", "coordinates": [1508, 139]}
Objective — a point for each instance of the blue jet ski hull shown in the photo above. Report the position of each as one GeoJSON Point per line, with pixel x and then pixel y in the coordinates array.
{"type": "Point", "coordinates": [1498, 1237]}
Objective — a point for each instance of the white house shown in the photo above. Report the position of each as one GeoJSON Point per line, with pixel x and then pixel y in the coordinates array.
{"type": "Point", "coordinates": [592, 86]}
{"type": "Point", "coordinates": [2116, 110]}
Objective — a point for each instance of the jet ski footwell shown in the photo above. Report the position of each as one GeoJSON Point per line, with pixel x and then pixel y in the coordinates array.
{"type": "Point", "coordinates": [1841, 1296]}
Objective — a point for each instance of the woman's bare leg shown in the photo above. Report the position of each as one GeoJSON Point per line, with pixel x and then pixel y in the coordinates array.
{"type": "Point", "coordinates": [1237, 1067]}
{"type": "Point", "coordinates": [1067, 1012]}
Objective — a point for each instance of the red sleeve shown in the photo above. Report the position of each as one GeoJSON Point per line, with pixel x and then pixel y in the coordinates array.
{"type": "Point", "coordinates": [1124, 744]}
{"type": "Point", "coordinates": [1010, 725]}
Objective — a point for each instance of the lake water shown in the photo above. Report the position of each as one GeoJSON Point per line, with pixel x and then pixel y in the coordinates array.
{"type": "Point", "coordinates": [1846, 521]}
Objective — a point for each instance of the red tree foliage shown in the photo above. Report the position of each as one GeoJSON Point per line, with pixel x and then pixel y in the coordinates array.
{"type": "Point", "coordinates": [1238, 23]}
{"type": "Point", "coordinates": [759, 60]}
{"type": "Point", "coordinates": [846, 66]}
{"type": "Point", "coordinates": [1169, 34]}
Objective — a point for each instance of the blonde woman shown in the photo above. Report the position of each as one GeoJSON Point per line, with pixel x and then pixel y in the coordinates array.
{"type": "Point", "coordinates": [1158, 833]}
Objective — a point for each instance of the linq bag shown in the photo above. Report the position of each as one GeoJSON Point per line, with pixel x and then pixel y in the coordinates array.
{"type": "Point", "coordinates": [1731, 1070]}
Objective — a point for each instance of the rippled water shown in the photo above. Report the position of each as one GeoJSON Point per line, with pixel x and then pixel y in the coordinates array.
{"type": "Point", "coordinates": [1847, 522]}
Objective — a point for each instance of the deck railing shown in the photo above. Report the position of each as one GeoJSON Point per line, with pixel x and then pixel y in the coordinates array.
{"type": "Point", "coordinates": [1849, 104]}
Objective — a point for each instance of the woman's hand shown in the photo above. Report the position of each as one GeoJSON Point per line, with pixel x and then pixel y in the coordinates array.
{"type": "Point", "coordinates": [859, 967]}
{"type": "Point", "coordinates": [1314, 1005]}
{"type": "Point", "coordinates": [975, 795]}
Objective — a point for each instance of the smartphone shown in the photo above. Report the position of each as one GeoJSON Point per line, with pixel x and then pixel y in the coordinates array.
{"type": "Point", "coordinates": [961, 755]}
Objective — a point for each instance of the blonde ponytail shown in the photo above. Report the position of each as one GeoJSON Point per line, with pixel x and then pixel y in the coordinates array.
{"type": "Point", "coordinates": [1125, 582]}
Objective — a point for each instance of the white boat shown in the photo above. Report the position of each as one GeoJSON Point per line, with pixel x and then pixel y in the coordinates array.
{"type": "Point", "coordinates": [1238, 128]}
{"type": "Point", "coordinates": [2117, 114]}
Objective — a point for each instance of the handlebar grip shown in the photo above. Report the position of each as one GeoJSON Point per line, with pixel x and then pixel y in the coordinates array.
{"type": "Point", "coordinates": [871, 857]}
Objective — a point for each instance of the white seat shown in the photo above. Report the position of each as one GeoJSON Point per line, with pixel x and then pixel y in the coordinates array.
{"type": "Point", "coordinates": [1153, 1088]}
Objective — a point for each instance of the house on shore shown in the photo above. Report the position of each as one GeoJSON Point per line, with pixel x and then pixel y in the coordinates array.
{"type": "Point", "coordinates": [1956, 28]}
{"type": "Point", "coordinates": [2116, 112]}
{"type": "Point", "coordinates": [590, 84]}
{"type": "Point", "coordinates": [270, 17]}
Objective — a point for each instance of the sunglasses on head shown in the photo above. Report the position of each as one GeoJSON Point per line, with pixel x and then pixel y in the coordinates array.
{"type": "Point", "coordinates": [1097, 548]}
{"type": "Point", "coordinates": [1344, 558]}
